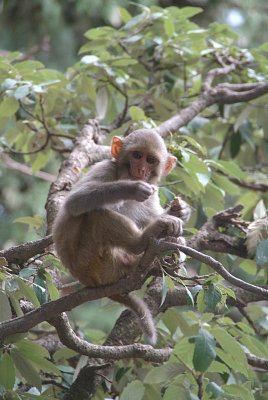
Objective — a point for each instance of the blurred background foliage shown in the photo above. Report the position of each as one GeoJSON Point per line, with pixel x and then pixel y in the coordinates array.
{"type": "Point", "coordinates": [28, 23]}
{"type": "Point", "coordinates": [52, 31]}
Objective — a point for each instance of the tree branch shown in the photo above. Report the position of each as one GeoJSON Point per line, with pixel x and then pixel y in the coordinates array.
{"type": "Point", "coordinates": [221, 93]}
{"type": "Point", "coordinates": [72, 341]}
{"type": "Point", "coordinates": [15, 165]}
{"type": "Point", "coordinates": [23, 252]}
{"type": "Point", "coordinates": [87, 151]}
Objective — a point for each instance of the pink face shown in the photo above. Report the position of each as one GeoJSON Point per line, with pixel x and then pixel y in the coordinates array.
{"type": "Point", "coordinates": [142, 164]}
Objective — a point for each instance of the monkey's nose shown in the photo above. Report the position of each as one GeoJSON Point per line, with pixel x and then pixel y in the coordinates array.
{"type": "Point", "coordinates": [141, 173]}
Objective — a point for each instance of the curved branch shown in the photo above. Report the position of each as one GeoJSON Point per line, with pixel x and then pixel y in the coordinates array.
{"type": "Point", "coordinates": [222, 94]}
{"type": "Point", "coordinates": [219, 268]}
{"type": "Point", "coordinates": [72, 341]}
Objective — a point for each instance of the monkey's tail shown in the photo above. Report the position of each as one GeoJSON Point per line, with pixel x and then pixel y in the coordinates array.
{"type": "Point", "coordinates": [140, 308]}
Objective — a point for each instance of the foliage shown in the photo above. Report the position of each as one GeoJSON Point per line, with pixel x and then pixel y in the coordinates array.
{"type": "Point", "coordinates": [139, 76]}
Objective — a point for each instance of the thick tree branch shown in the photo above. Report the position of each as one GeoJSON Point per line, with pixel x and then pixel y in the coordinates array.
{"type": "Point", "coordinates": [86, 151]}
{"type": "Point", "coordinates": [21, 253]}
{"type": "Point", "coordinates": [209, 236]}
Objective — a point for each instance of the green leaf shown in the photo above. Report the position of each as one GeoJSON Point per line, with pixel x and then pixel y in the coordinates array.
{"type": "Point", "coordinates": [225, 184]}
{"type": "Point", "coordinates": [34, 222]}
{"type": "Point", "coordinates": [123, 62]}
{"type": "Point", "coordinates": [8, 84]}
{"type": "Point", "coordinates": [95, 33]}
{"type": "Point", "coordinates": [200, 301]}
{"type": "Point", "coordinates": [134, 21]}
{"type": "Point", "coordinates": [38, 355]}
{"type": "Point", "coordinates": [164, 289]}
{"type": "Point", "coordinates": [260, 210]}
{"type": "Point", "coordinates": [189, 12]}
{"type": "Point", "coordinates": [7, 372]}
{"type": "Point", "coordinates": [214, 390]}
{"type": "Point", "coordinates": [235, 144]}
{"type": "Point", "coordinates": [41, 160]}
{"type": "Point", "coordinates": [232, 348]}
{"type": "Point", "coordinates": [204, 352]}
{"type": "Point", "coordinates": [196, 165]}
{"type": "Point", "coordinates": [213, 198]}
{"type": "Point", "coordinates": [39, 287]}
{"type": "Point", "coordinates": [15, 304]}
{"type": "Point", "coordinates": [184, 349]}
{"type": "Point", "coordinates": [262, 253]}
{"type": "Point", "coordinates": [203, 178]}
{"type": "Point", "coordinates": [54, 293]}
{"type": "Point", "coordinates": [136, 113]}
{"type": "Point", "coordinates": [175, 392]}
{"type": "Point", "coordinates": [124, 15]}
{"type": "Point", "coordinates": [22, 91]}
{"type": "Point", "coordinates": [8, 107]}
{"type": "Point", "coordinates": [164, 373]}
{"type": "Point", "coordinates": [31, 349]}
{"type": "Point", "coordinates": [28, 292]}
{"type": "Point", "coordinates": [218, 367]}
{"type": "Point", "coordinates": [102, 102]}
{"type": "Point", "coordinates": [248, 201]}
{"type": "Point", "coordinates": [169, 27]}
{"type": "Point", "coordinates": [5, 309]}
{"type": "Point", "coordinates": [29, 65]}
{"type": "Point", "coordinates": [133, 39]}
{"type": "Point", "coordinates": [133, 391]}
{"type": "Point", "coordinates": [228, 167]}
{"type": "Point", "coordinates": [212, 297]}
{"type": "Point", "coordinates": [89, 60]}
{"type": "Point", "coordinates": [26, 369]}
{"type": "Point", "coordinates": [240, 392]}
{"type": "Point", "coordinates": [63, 353]}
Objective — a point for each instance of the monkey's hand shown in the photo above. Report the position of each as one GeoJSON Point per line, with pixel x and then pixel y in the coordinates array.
{"type": "Point", "coordinates": [141, 191]}
{"type": "Point", "coordinates": [179, 208]}
{"type": "Point", "coordinates": [166, 225]}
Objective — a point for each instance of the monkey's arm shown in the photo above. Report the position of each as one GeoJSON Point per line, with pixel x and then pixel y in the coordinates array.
{"type": "Point", "coordinates": [92, 195]}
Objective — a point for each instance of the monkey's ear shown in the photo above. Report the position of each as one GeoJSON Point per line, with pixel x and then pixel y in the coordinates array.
{"type": "Point", "coordinates": [170, 164]}
{"type": "Point", "coordinates": [116, 146]}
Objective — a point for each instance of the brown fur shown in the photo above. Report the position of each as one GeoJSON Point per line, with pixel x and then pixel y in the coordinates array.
{"type": "Point", "coordinates": [109, 217]}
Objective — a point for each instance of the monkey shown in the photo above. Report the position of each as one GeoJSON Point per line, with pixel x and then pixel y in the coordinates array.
{"type": "Point", "coordinates": [106, 221]}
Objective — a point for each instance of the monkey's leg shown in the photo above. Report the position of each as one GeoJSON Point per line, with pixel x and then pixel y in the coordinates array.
{"type": "Point", "coordinates": [114, 232]}
{"type": "Point", "coordinates": [165, 225]}
{"type": "Point", "coordinates": [112, 229]}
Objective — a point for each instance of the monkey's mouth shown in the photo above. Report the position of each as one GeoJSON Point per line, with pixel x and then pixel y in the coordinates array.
{"type": "Point", "coordinates": [134, 177]}
{"type": "Point", "coordinates": [138, 178]}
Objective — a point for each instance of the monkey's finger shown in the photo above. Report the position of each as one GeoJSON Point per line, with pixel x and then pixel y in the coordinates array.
{"type": "Point", "coordinates": [175, 227]}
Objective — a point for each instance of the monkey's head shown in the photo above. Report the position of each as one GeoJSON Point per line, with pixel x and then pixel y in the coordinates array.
{"type": "Point", "coordinates": [142, 155]}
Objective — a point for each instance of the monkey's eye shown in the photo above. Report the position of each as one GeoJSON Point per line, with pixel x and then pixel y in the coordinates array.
{"type": "Point", "coordinates": [137, 155]}
{"type": "Point", "coordinates": [151, 160]}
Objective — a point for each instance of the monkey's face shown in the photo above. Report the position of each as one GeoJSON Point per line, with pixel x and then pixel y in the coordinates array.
{"type": "Point", "coordinates": [142, 165]}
